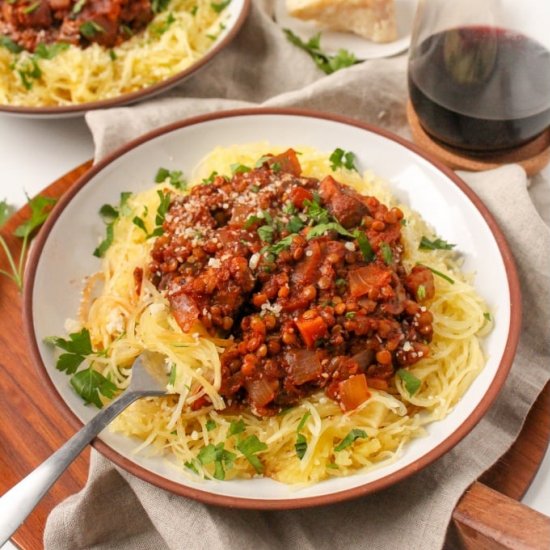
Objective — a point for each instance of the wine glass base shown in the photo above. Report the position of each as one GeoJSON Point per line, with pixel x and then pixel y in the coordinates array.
{"type": "Point", "coordinates": [532, 156]}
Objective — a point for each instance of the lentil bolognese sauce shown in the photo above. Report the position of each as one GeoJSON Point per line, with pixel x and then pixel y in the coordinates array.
{"type": "Point", "coordinates": [305, 277]}
{"type": "Point", "coordinates": [310, 325]}
{"type": "Point", "coordinates": [107, 22]}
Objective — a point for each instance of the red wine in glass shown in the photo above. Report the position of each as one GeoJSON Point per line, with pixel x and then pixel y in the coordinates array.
{"type": "Point", "coordinates": [481, 88]}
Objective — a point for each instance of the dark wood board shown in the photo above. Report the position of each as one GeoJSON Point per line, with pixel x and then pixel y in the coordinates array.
{"type": "Point", "coordinates": [31, 428]}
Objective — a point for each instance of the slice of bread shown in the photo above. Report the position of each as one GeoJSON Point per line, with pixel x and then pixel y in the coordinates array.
{"type": "Point", "coordinates": [372, 19]}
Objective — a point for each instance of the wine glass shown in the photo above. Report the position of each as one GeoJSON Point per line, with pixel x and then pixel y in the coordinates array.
{"type": "Point", "coordinates": [479, 72]}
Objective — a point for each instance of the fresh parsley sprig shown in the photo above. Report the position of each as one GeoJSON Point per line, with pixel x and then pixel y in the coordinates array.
{"type": "Point", "coordinates": [173, 177]}
{"type": "Point", "coordinates": [40, 208]}
{"type": "Point", "coordinates": [342, 159]}
{"type": "Point", "coordinates": [110, 214]}
{"type": "Point", "coordinates": [88, 383]}
{"type": "Point", "coordinates": [219, 456]}
{"type": "Point", "coordinates": [250, 447]}
{"type": "Point", "coordinates": [159, 5]}
{"type": "Point", "coordinates": [162, 210]}
{"type": "Point", "coordinates": [324, 61]}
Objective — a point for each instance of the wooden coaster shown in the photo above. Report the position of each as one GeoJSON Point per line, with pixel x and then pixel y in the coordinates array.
{"type": "Point", "coordinates": [532, 156]}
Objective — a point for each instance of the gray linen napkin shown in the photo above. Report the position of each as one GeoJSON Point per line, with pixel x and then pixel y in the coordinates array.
{"type": "Point", "coordinates": [117, 510]}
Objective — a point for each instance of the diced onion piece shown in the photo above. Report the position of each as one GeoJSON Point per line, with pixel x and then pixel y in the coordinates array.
{"type": "Point", "coordinates": [353, 392]}
{"type": "Point", "coordinates": [184, 309]}
{"type": "Point", "coordinates": [304, 366]}
{"type": "Point", "coordinates": [260, 392]}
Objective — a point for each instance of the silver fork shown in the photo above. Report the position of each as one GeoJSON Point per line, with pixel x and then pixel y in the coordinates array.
{"type": "Point", "coordinates": [147, 379]}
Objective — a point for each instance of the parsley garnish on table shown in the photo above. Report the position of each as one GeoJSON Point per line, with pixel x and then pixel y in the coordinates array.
{"type": "Point", "coordinates": [40, 208]}
{"type": "Point", "coordinates": [326, 62]}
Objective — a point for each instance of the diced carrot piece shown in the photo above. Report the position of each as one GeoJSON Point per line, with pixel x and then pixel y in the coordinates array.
{"type": "Point", "coordinates": [353, 392]}
{"type": "Point", "coordinates": [311, 330]}
{"type": "Point", "coordinates": [300, 194]}
{"type": "Point", "coordinates": [287, 161]}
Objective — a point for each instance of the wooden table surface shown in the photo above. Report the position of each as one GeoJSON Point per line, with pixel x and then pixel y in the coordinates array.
{"type": "Point", "coordinates": [488, 516]}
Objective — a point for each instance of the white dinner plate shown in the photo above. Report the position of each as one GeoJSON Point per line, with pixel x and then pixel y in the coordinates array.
{"type": "Point", "coordinates": [62, 257]}
{"type": "Point", "coordinates": [332, 41]}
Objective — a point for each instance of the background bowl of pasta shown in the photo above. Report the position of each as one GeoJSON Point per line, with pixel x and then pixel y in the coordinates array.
{"type": "Point", "coordinates": [70, 57]}
{"type": "Point", "coordinates": [325, 454]}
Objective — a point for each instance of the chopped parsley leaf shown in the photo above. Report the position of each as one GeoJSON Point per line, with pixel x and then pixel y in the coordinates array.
{"type": "Point", "coordinates": [300, 446]}
{"type": "Point", "coordinates": [410, 381]}
{"type": "Point", "coordinates": [77, 8]}
{"type": "Point", "coordinates": [295, 224]}
{"type": "Point", "coordinates": [159, 5]}
{"type": "Point", "coordinates": [160, 28]}
{"type": "Point", "coordinates": [239, 169]}
{"type": "Point", "coordinates": [219, 456]}
{"type": "Point", "coordinates": [172, 376]}
{"type": "Point", "coordinates": [210, 425]}
{"type": "Point", "coordinates": [174, 177]}
{"type": "Point", "coordinates": [387, 254]}
{"type": "Point", "coordinates": [421, 292]}
{"type": "Point", "coordinates": [279, 246]}
{"type": "Point", "coordinates": [210, 178]}
{"type": "Point", "coordinates": [49, 51]}
{"type": "Point", "coordinates": [218, 7]}
{"type": "Point", "coordinates": [322, 228]}
{"type": "Point", "coordinates": [342, 159]}
{"type": "Point", "coordinates": [436, 244]}
{"type": "Point", "coordinates": [78, 347]}
{"type": "Point", "coordinates": [303, 421]}
{"type": "Point", "coordinates": [249, 447]}
{"type": "Point", "coordinates": [31, 8]}
{"type": "Point", "coordinates": [236, 427]}
{"type": "Point", "coordinates": [364, 245]}
{"type": "Point", "coordinates": [89, 29]}
{"type": "Point", "coordinates": [350, 438]}
{"type": "Point", "coordinates": [439, 274]}
{"type": "Point", "coordinates": [265, 232]}
{"type": "Point", "coordinates": [10, 45]}
{"type": "Point", "coordinates": [89, 384]}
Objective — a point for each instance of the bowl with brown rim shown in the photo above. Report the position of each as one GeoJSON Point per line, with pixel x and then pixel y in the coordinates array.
{"type": "Point", "coordinates": [62, 256]}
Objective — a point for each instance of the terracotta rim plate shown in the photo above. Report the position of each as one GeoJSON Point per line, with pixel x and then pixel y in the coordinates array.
{"type": "Point", "coordinates": [237, 11]}
{"type": "Point", "coordinates": [332, 41]}
{"type": "Point", "coordinates": [62, 256]}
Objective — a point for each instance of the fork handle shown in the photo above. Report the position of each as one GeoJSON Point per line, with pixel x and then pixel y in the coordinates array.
{"type": "Point", "coordinates": [20, 500]}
